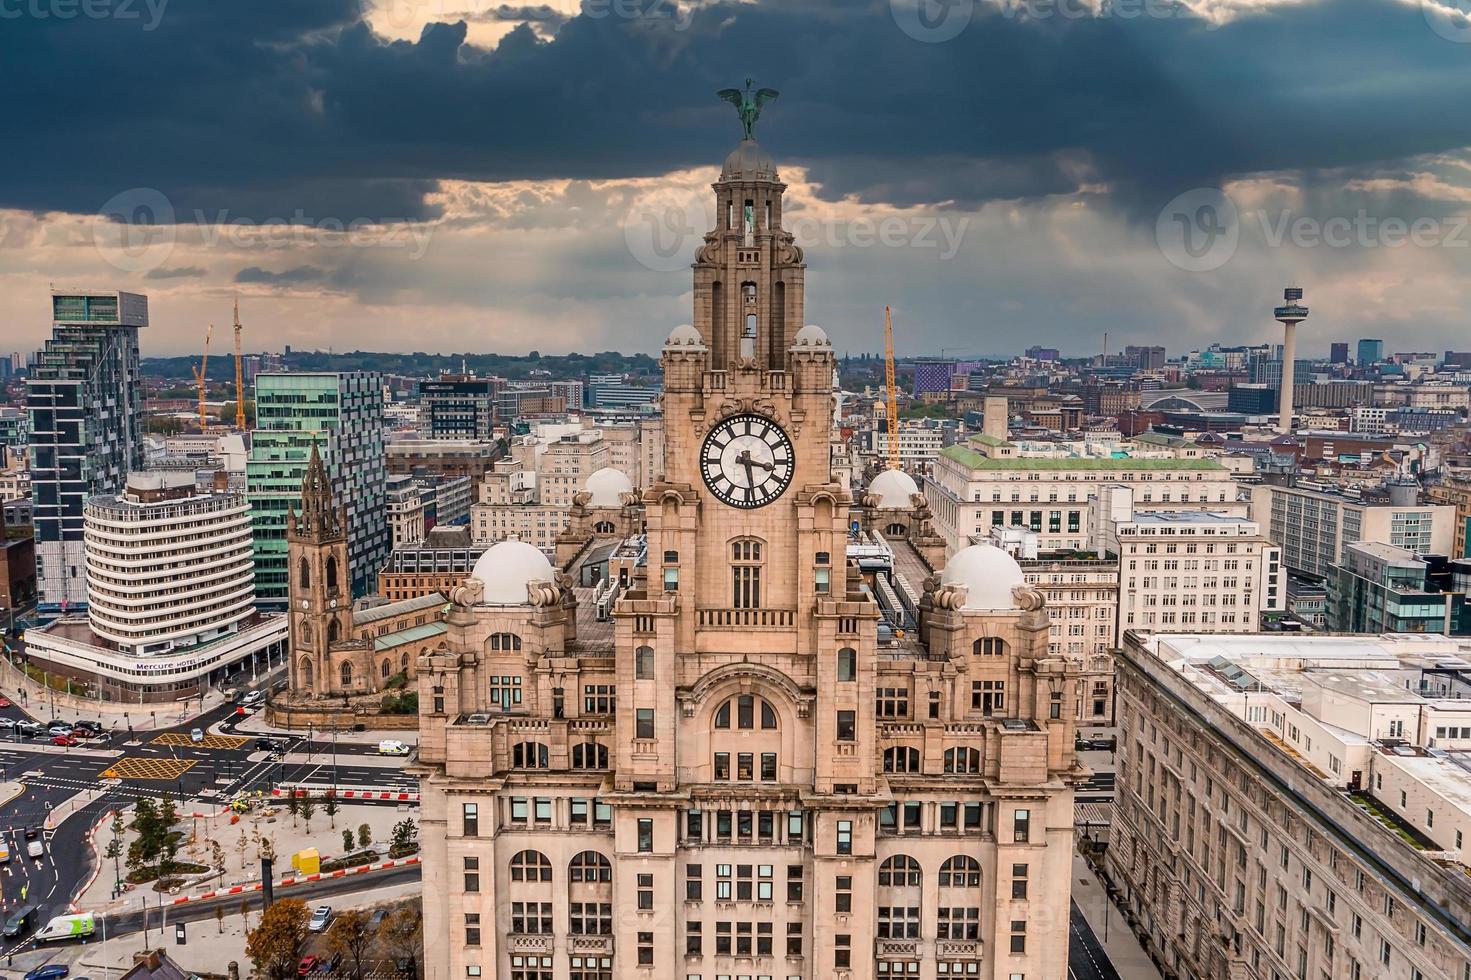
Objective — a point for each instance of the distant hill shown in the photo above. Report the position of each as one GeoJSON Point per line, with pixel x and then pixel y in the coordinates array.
{"type": "Point", "coordinates": [222, 368]}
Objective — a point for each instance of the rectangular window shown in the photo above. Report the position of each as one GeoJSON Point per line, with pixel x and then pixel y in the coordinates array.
{"type": "Point", "coordinates": [643, 664]}
{"type": "Point", "coordinates": [847, 726]}
{"type": "Point", "coordinates": [645, 835]}
{"type": "Point", "coordinates": [644, 723]}
{"type": "Point", "coordinates": [845, 837]}
{"type": "Point", "coordinates": [472, 874]}
{"type": "Point", "coordinates": [847, 664]}
{"type": "Point", "coordinates": [470, 816]}
{"type": "Point", "coordinates": [1022, 826]}
{"type": "Point", "coordinates": [843, 894]}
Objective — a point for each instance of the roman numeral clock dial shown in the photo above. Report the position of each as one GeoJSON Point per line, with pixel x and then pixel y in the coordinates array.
{"type": "Point", "coordinates": [747, 461]}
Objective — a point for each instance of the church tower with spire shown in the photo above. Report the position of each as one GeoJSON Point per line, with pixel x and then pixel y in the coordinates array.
{"type": "Point", "coordinates": [321, 596]}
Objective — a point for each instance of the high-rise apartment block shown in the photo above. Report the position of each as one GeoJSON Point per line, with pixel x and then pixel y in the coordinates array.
{"type": "Point", "coordinates": [84, 399]}
{"type": "Point", "coordinates": [341, 414]}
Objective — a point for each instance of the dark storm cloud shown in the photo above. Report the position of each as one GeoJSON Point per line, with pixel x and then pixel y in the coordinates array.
{"type": "Point", "coordinates": [288, 277]}
{"type": "Point", "coordinates": [295, 110]}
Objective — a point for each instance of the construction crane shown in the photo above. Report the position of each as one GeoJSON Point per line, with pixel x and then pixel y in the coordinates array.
{"type": "Point", "coordinates": [239, 373]}
{"type": "Point", "coordinates": [199, 372]}
{"type": "Point", "coordinates": [891, 407]}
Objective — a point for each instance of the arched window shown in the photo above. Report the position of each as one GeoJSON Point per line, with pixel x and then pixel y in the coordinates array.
{"type": "Point", "coordinates": [304, 666]}
{"type": "Point", "coordinates": [990, 646]}
{"type": "Point", "coordinates": [604, 527]}
{"type": "Point", "coordinates": [896, 530]}
{"type": "Point", "coordinates": [745, 572]}
{"type": "Point", "coordinates": [589, 866]}
{"type": "Point", "coordinates": [900, 871]}
{"type": "Point", "coordinates": [847, 664]}
{"type": "Point", "coordinates": [643, 664]}
{"type": "Point", "coordinates": [901, 758]}
{"type": "Point", "coordinates": [962, 760]}
{"type": "Point", "coordinates": [331, 583]}
{"type": "Point", "coordinates": [306, 631]}
{"type": "Point", "coordinates": [530, 755]}
{"type": "Point", "coordinates": [387, 668]}
{"type": "Point", "coordinates": [530, 866]}
{"type": "Point", "coordinates": [589, 755]}
{"type": "Point", "coordinates": [403, 660]}
{"type": "Point", "coordinates": [346, 672]}
{"type": "Point", "coordinates": [505, 641]}
{"type": "Point", "coordinates": [960, 871]}
{"type": "Point", "coordinates": [745, 713]}
{"type": "Point", "coordinates": [303, 574]}
{"type": "Point", "coordinates": [334, 632]}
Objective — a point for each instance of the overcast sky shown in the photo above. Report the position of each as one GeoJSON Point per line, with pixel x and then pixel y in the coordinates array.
{"type": "Point", "coordinates": [453, 175]}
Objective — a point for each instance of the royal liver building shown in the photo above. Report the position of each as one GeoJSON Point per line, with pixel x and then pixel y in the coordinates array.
{"type": "Point", "coordinates": [685, 751]}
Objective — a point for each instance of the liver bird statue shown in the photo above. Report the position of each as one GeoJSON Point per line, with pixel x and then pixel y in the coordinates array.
{"type": "Point", "coordinates": [748, 105]}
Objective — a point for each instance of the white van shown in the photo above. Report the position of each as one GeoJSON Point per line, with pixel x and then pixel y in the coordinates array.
{"type": "Point", "coordinates": [67, 927]}
{"type": "Point", "coordinates": [392, 746]}
{"type": "Point", "coordinates": [4, 852]}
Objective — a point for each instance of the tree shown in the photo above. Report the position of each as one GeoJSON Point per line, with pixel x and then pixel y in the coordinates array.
{"type": "Point", "coordinates": [115, 847]}
{"type": "Point", "coordinates": [242, 845]}
{"type": "Point", "coordinates": [402, 841]}
{"type": "Point", "coordinates": [308, 807]}
{"type": "Point", "coordinates": [331, 807]}
{"type": "Point", "coordinates": [402, 935]}
{"type": "Point", "coordinates": [274, 946]}
{"type": "Point", "coordinates": [220, 919]}
{"type": "Point", "coordinates": [245, 914]}
{"type": "Point", "coordinates": [351, 939]}
{"type": "Point", "coordinates": [293, 805]}
{"type": "Point", "coordinates": [346, 841]}
{"type": "Point", "coordinates": [217, 854]}
{"type": "Point", "coordinates": [365, 835]}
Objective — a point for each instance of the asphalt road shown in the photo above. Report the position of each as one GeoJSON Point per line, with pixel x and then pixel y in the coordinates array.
{"type": "Point", "coordinates": [52, 775]}
{"type": "Point", "coordinates": [1086, 957]}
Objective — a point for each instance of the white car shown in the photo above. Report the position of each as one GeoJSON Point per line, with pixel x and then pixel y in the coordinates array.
{"type": "Point", "coordinates": [320, 917]}
{"type": "Point", "coordinates": [391, 746]}
{"type": "Point", "coordinates": [7, 723]}
{"type": "Point", "coordinates": [36, 849]}
{"type": "Point", "coordinates": [252, 698]}
{"type": "Point", "coordinates": [196, 736]}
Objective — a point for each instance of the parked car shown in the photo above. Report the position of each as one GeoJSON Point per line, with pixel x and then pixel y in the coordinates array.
{"type": "Point", "coordinates": [196, 735]}
{"type": "Point", "coordinates": [28, 728]}
{"type": "Point", "coordinates": [67, 740]}
{"type": "Point", "coordinates": [376, 919]}
{"type": "Point", "coordinates": [95, 727]}
{"type": "Point", "coordinates": [306, 966]}
{"type": "Point", "coordinates": [6, 702]}
{"type": "Point", "coordinates": [392, 746]}
{"type": "Point", "coordinates": [320, 917]}
{"type": "Point", "coordinates": [22, 921]}
{"type": "Point", "coordinates": [51, 971]}
{"type": "Point", "coordinates": [8, 723]}
{"type": "Point", "coordinates": [59, 728]}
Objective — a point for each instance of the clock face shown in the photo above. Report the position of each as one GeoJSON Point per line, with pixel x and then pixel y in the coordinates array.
{"type": "Point", "coordinates": [747, 461]}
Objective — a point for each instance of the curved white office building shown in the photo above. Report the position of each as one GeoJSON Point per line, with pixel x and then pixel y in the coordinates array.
{"type": "Point", "coordinates": [170, 595]}
{"type": "Point", "coordinates": [167, 567]}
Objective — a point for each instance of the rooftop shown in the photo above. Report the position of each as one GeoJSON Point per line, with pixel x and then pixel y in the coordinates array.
{"type": "Point", "coordinates": [974, 460]}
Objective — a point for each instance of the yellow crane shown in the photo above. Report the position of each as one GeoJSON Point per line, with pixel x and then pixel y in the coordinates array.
{"type": "Point", "coordinates": [239, 373]}
{"type": "Point", "coordinates": [891, 406]}
{"type": "Point", "coordinates": [199, 372]}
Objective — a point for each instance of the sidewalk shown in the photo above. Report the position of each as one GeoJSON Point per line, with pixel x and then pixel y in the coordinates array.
{"type": "Point", "coordinates": [1108, 924]}
{"type": "Point", "coordinates": [45, 704]}
{"type": "Point", "coordinates": [255, 724]}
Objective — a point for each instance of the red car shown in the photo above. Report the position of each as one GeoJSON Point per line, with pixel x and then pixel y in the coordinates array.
{"type": "Point", "coordinates": [306, 966]}
{"type": "Point", "coordinates": [5, 702]}
{"type": "Point", "coordinates": [66, 740]}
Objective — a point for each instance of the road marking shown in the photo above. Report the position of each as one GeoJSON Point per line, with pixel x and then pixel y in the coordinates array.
{"type": "Point", "coordinates": [210, 741]}
{"type": "Point", "coordinates": [134, 767]}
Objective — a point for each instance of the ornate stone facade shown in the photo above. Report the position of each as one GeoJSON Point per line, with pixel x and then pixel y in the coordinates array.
{"type": "Point", "coordinates": [734, 775]}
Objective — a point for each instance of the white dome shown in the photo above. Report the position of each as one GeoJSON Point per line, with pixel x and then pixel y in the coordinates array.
{"type": "Point", "coordinates": [506, 568]}
{"type": "Point", "coordinates": [748, 162]}
{"type": "Point", "coordinates": [684, 335]}
{"type": "Point", "coordinates": [893, 488]}
{"type": "Point", "coordinates": [988, 574]}
{"type": "Point", "coordinates": [811, 336]}
{"type": "Point", "coordinates": [607, 487]}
